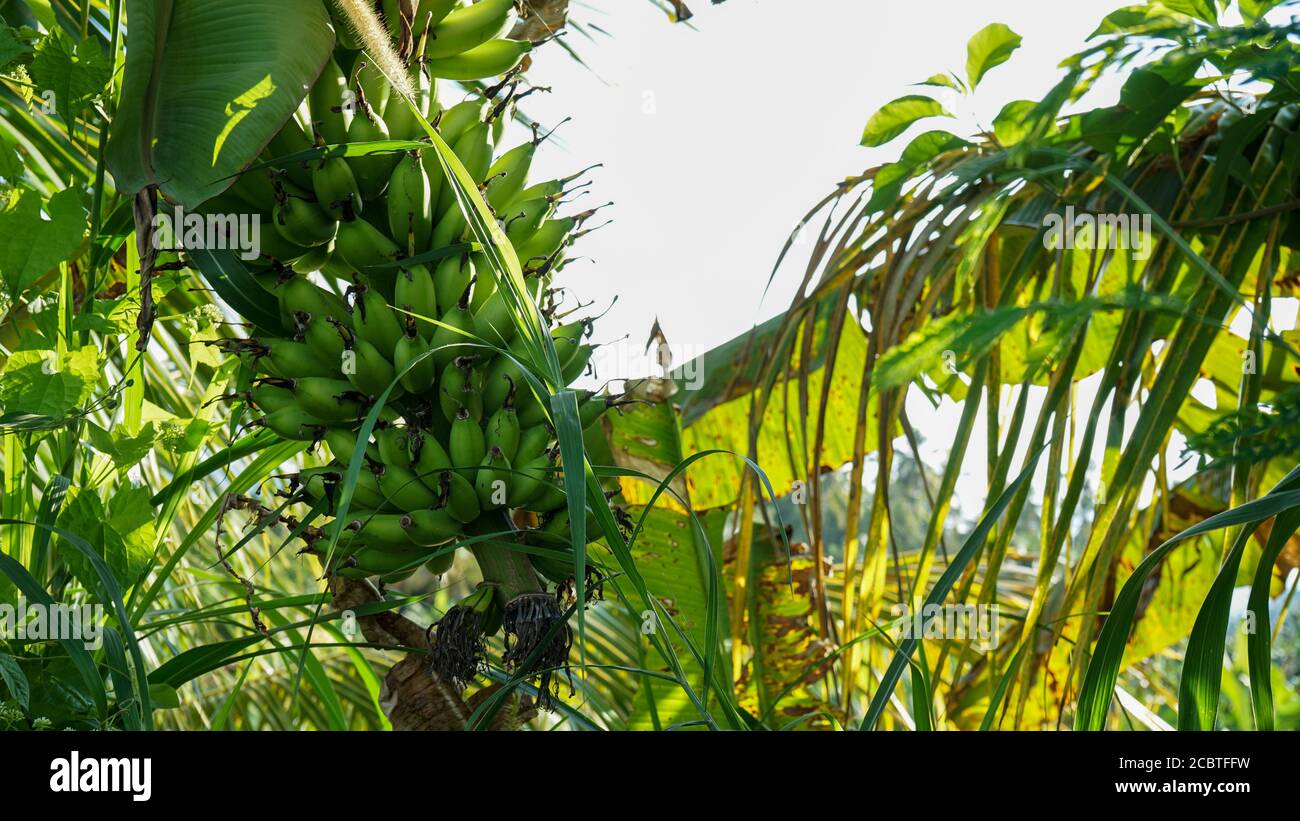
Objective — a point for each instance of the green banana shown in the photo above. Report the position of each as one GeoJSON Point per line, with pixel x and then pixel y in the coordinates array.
{"type": "Point", "coordinates": [368, 370]}
{"type": "Point", "coordinates": [292, 140]}
{"type": "Point", "coordinates": [364, 246]}
{"type": "Point", "coordinates": [336, 188]}
{"type": "Point", "coordinates": [503, 431]}
{"type": "Point", "coordinates": [415, 292]}
{"type": "Point", "coordinates": [439, 565]}
{"type": "Point", "coordinates": [491, 59]}
{"type": "Point", "coordinates": [371, 170]}
{"type": "Point", "coordinates": [428, 528]}
{"type": "Point", "coordinates": [460, 498]}
{"type": "Point", "coordinates": [470, 26]}
{"type": "Point", "coordinates": [373, 319]}
{"type": "Point", "coordinates": [494, 468]}
{"type": "Point", "coordinates": [327, 102]}
{"type": "Point", "coordinates": [410, 210]}
{"type": "Point", "coordinates": [289, 359]}
{"type": "Point", "coordinates": [294, 423]}
{"type": "Point", "coordinates": [460, 387]}
{"type": "Point", "coordinates": [303, 223]}
{"type": "Point", "coordinates": [411, 348]}
{"type": "Point", "coordinates": [509, 174]}
{"type": "Point", "coordinates": [452, 278]}
{"type": "Point", "coordinates": [403, 489]}
{"type": "Point", "coordinates": [533, 442]}
{"type": "Point", "coordinates": [272, 394]}
{"type": "Point", "coordinates": [503, 380]}
{"type": "Point", "coordinates": [494, 322]}
{"type": "Point", "coordinates": [391, 442]}
{"type": "Point", "coordinates": [334, 400]}
{"type": "Point", "coordinates": [319, 333]}
{"type": "Point", "coordinates": [428, 458]}
{"type": "Point", "coordinates": [448, 341]}
{"type": "Point", "coordinates": [467, 444]}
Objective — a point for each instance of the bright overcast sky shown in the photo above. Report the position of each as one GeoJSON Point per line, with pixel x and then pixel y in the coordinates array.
{"type": "Point", "coordinates": [716, 140]}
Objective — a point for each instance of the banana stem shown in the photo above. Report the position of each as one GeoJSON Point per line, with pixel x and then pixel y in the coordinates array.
{"type": "Point", "coordinates": [508, 568]}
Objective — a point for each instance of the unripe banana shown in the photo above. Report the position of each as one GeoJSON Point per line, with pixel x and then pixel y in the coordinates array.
{"type": "Point", "coordinates": [428, 528]}
{"type": "Point", "coordinates": [494, 322]}
{"type": "Point", "coordinates": [550, 496]}
{"type": "Point", "coordinates": [320, 334]}
{"type": "Point", "coordinates": [433, 12]}
{"type": "Point", "coordinates": [429, 459]}
{"type": "Point", "coordinates": [410, 210]}
{"type": "Point", "coordinates": [291, 140]}
{"type": "Point", "coordinates": [368, 494]}
{"type": "Point", "coordinates": [467, 444]}
{"type": "Point", "coordinates": [459, 495]}
{"type": "Point", "coordinates": [290, 360]}
{"type": "Point", "coordinates": [270, 395]}
{"type": "Point", "coordinates": [452, 278]}
{"type": "Point", "coordinates": [336, 188]}
{"type": "Point", "coordinates": [334, 400]}
{"type": "Point", "coordinates": [412, 348]}
{"type": "Point", "coordinates": [493, 58]}
{"type": "Point", "coordinates": [524, 220]}
{"type": "Point", "coordinates": [364, 246]}
{"type": "Point", "coordinates": [302, 222]}
{"type": "Point", "coordinates": [447, 342]}
{"type": "Point", "coordinates": [534, 442]}
{"type": "Point", "coordinates": [494, 467]}
{"type": "Point", "coordinates": [370, 372]}
{"type": "Point", "coordinates": [528, 480]}
{"type": "Point", "coordinates": [327, 102]}
{"type": "Point", "coordinates": [371, 170]}
{"type": "Point", "coordinates": [391, 442]}
{"type": "Point", "coordinates": [401, 487]}
{"type": "Point", "coordinates": [503, 432]}
{"type": "Point", "coordinates": [415, 292]}
{"type": "Point", "coordinates": [509, 174]}
{"type": "Point", "coordinates": [575, 365]}
{"type": "Point", "coordinates": [294, 423]}
{"type": "Point", "coordinates": [474, 149]}
{"type": "Point", "coordinates": [547, 239]}
{"type": "Point", "coordinates": [370, 85]}
{"type": "Point", "coordinates": [504, 377]}
{"type": "Point", "coordinates": [373, 319]}
{"type": "Point", "coordinates": [343, 443]}
{"type": "Point", "coordinates": [300, 295]}
{"type": "Point", "coordinates": [456, 121]}
{"type": "Point", "coordinates": [439, 565]}
{"type": "Point", "coordinates": [401, 120]}
{"type": "Point", "coordinates": [460, 387]}
{"type": "Point", "coordinates": [470, 26]}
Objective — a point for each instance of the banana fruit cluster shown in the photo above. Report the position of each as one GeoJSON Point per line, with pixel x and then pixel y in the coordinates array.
{"type": "Point", "coordinates": [371, 262]}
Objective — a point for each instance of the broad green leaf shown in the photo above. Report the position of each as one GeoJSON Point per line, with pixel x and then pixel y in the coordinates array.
{"type": "Point", "coordinates": [75, 72]}
{"type": "Point", "coordinates": [121, 532]}
{"type": "Point", "coordinates": [991, 46]}
{"type": "Point", "coordinates": [15, 680]}
{"type": "Point", "coordinates": [185, 124]}
{"type": "Point", "coordinates": [125, 450]}
{"type": "Point", "coordinates": [32, 243]}
{"type": "Point", "coordinates": [1200, 9]}
{"type": "Point", "coordinates": [1014, 122]}
{"type": "Point", "coordinates": [37, 382]}
{"type": "Point", "coordinates": [896, 116]}
{"type": "Point", "coordinates": [1254, 10]}
{"type": "Point", "coordinates": [12, 46]}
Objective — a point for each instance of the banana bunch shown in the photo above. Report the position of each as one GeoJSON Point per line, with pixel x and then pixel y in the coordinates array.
{"type": "Point", "coordinates": [380, 292]}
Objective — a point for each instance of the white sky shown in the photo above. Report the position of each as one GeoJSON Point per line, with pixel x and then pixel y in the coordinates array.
{"type": "Point", "coordinates": [717, 140]}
